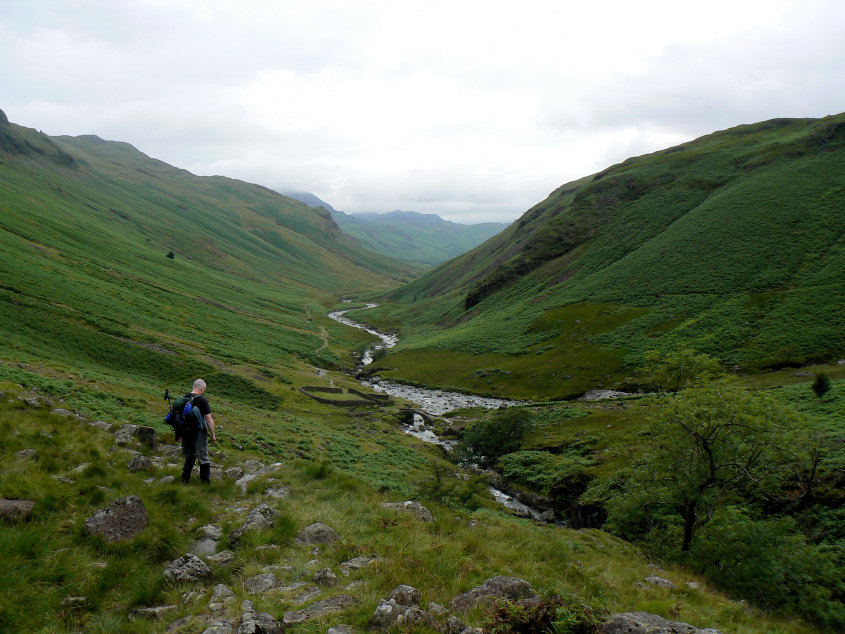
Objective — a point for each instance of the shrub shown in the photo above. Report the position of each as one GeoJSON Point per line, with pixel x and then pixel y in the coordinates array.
{"type": "Point", "coordinates": [488, 440]}
{"type": "Point", "coordinates": [821, 385]}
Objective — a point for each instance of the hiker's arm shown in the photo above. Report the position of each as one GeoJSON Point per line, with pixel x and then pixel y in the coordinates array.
{"type": "Point", "coordinates": [209, 421]}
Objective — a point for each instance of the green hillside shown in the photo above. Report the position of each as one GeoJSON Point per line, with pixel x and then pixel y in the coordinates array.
{"type": "Point", "coordinates": [731, 244]}
{"type": "Point", "coordinates": [102, 246]}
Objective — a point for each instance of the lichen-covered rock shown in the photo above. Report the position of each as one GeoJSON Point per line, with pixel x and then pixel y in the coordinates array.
{"type": "Point", "coordinates": [233, 473]}
{"type": "Point", "coordinates": [140, 462]}
{"type": "Point", "coordinates": [188, 567]}
{"type": "Point", "coordinates": [405, 595]}
{"type": "Point", "coordinates": [221, 595]}
{"type": "Point", "coordinates": [357, 563]}
{"type": "Point", "coordinates": [262, 516]}
{"type": "Point", "coordinates": [494, 588]}
{"type": "Point", "coordinates": [147, 436]}
{"type": "Point", "coordinates": [321, 608]}
{"type": "Point", "coordinates": [316, 534]}
{"type": "Point", "coordinates": [121, 520]}
{"type": "Point", "coordinates": [645, 623]}
{"type": "Point", "coordinates": [222, 558]}
{"type": "Point", "coordinates": [340, 629]}
{"type": "Point", "coordinates": [259, 623]}
{"type": "Point", "coordinates": [413, 508]}
{"type": "Point", "coordinates": [259, 584]}
{"type": "Point", "coordinates": [156, 613]}
{"type": "Point", "coordinates": [325, 577]}
{"type": "Point", "coordinates": [125, 435]}
{"type": "Point", "coordinates": [659, 581]}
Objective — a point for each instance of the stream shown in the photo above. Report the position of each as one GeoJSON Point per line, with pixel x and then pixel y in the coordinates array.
{"type": "Point", "coordinates": [434, 402]}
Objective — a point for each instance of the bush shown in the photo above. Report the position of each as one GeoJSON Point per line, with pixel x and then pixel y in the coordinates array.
{"type": "Point", "coordinates": [822, 384]}
{"type": "Point", "coordinates": [488, 440]}
{"type": "Point", "coordinates": [769, 563]}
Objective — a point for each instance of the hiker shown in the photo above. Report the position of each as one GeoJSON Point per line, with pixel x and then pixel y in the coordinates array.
{"type": "Point", "coordinates": [195, 442]}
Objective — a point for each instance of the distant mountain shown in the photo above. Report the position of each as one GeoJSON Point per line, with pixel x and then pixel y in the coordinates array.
{"type": "Point", "coordinates": [409, 236]}
{"type": "Point", "coordinates": [732, 244]}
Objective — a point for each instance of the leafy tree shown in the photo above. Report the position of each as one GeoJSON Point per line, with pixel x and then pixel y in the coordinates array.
{"type": "Point", "coordinates": [487, 440]}
{"type": "Point", "coordinates": [676, 370]}
{"type": "Point", "coordinates": [821, 385]}
{"type": "Point", "coordinates": [714, 443]}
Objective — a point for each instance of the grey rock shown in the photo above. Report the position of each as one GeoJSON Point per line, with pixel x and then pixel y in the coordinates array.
{"type": "Point", "coordinates": [340, 629]}
{"type": "Point", "coordinates": [645, 623]}
{"type": "Point", "coordinates": [454, 625]}
{"type": "Point", "coordinates": [262, 516]}
{"type": "Point", "coordinates": [140, 462]}
{"type": "Point", "coordinates": [494, 588]}
{"type": "Point", "coordinates": [252, 466]}
{"type": "Point", "coordinates": [693, 585]}
{"type": "Point", "coordinates": [414, 508]}
{"type": "Point", "coordinates": [156, 613]}
{"type": "Point", "coordinates": [188, 567]}
{"type": "Point", "coordinates": [59, 411]}
{"type": "Point", "coordinates": [277, 492]}
{"type": "Point", "coordinates": [167, 479]}
{"type": "Point", "coordinates": [262, 583]}
{"type": "Point", "coordinates": [388, 614]}
{"type": "Point", "coordinates": [79, 470]}
{"type": "Point", "coordinates": [101, 424]}
{"type": "Point", "coordinates": [192, 596]}
{"type": "Point", "coordinates": [310, 593]}
{"type": "Point", "coordinates": [233, 473]}
{"type": "Point", "coordinates": [316, 534]}
{"type": "Point", "coordinates": [62, 479]}
{"type": "Point", "coordinates": [357, 563]}
{"type": "Point", "coordinates": [125, 435]}
{"type": "Point", "coordinates": [45, 435]}
{"type": "Point", "coordinates": [270, 468]}
{"type": "Point", "coordinates": [35, 401]}
{"type": "Point", "coordinates": [244, 481]}
{"type": "Point", "coordinates": [219, 627]}
{"type": "Point", "coordinates": [321, 608]}
{"type": "Point", "coordinates": [204, 547]}
{"type": "Point", "coordinates": [405, 595]}
{"type": "Point", "coordinates": [147, 437]}
{"type": "Point", "coordinates": [325, 577]}
{"type": "Point", "coordinates": [210, 531]}
{"type": "Point", "coordinates": [121, 520]}
{"type": "Point", "coordinates": [14, 510]}
{"type": "Point", "coordinates": [259, 623]}
{"type": "Point", "coordinates": [221, 595]}
{"type": "Point", "coordinates": [23, 454]}
{"type": "Point", "coordinates": [659, 581]}
{"type": "Point", "coordinates": [437, 610]}
{"type": "Point", "coordinates": [292, 587]}
{"type": "Point", "coordinates": [74, 603]}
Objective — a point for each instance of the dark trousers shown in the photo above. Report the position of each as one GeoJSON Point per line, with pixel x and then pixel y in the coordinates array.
{"type": "Point", "coordinates": [195, 448]}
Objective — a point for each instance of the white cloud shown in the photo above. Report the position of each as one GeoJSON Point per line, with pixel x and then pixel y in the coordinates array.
{"type": "Point", "coordinates": [474, 110]}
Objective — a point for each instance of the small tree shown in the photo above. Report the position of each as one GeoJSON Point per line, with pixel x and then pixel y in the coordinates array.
{"type": "Point", "coordinates": [487, 440]}
{"type": "Point", "coordinates": [712, 442]}
{"type": "Point", "coordinates": [679, 369]}
{"type": "Point", "coordinates": [821, 385]}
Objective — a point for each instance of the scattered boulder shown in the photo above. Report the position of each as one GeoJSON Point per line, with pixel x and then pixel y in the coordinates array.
{"type": "Point", "coordinates": [217, 627]}
{"type": "Point", "coordinates": [645, 623]}
{"type": "Point", "coordinates": [659, 581]}
{"type": "Point", "coordinates": [310, 593]}
{"type": "Point", "coordinates": [414, 508]}
{"type": "Point", "coordinates": [79, 470]}
{"type": "Point", "coordinates": [210, 531]}
{"type": "Point", "coordinates": [204, 547]}
{"type": "Point", "coordinates": [188, 567]}
{"type": "Point", "coordinates": [252, 467]}
{"type": "Point", "coordinates": [316, 534]}
{"type": "Point", "coordinates": [23, 454]}
{"type": "Point", "coordinates": [340, 629]}
{"type": "Point", "coordinates": [357, 563]}
{"type": "Point", "coordinates": [401, 608]}
{"type": "Point", "coordinates": [262, 516]}
{"type": "Point", "coordinates": [498, 587]}
{"type": "Point", "coordinates": [121, 520]}
{"type": "Point", "coordinates": [100, 424]}
{"type": "Point", "coordinates": [13, 510]}
{"type": "Point", "coordinates": [75, 603]}
{"type": "Point", "coordinates": [325, 577]}
{"type": "Point", "coordinates": [233, 473]}
{"type": "Point", "coordinates": [221, 595]}
{"type": "Point", "coordinates": [405, 595]}
{"type": "Point", "coordinates": [222, 558]}
{"type": "Point", "coordinates": [258, 622]}
{"type": "Point", "coordinates": [244, 481]}
{"type": "Point", "coordinates": [147, 436]}
{"type": "Point", "coordinates": [167, 479]}
{"type": "Point", "coordinates": [262, 583]}
{"type": "Point", "coordinates": [59, 411]}
{"type": "Point", "coordinates": [139, 462]}
{"type": "Point", "coordinates": [321, 608]}
{"type": "Point", "coordinates": [125, 435]}
{"type": "Point", "coordinates": [154, 614]}
{"type": "Point", "coordinates": [277, 492]}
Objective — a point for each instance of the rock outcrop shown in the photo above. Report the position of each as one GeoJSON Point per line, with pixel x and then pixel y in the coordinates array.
{"type": "Point", "coordinates": [262, 516]}
{"type": "Point", "coordinates": [316, 534]}
{"type": "Point", "coordinates": [188, 567]}
{"type": "Point", "coordinates": [645, 623]}
{"type": "Point", "coordinates": [493, 589]}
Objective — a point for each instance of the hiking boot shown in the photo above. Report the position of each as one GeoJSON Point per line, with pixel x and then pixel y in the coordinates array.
{"type": "Point", "coordinates": [205, 473]}
{"type": "Point", "coordinates": [186, 470]}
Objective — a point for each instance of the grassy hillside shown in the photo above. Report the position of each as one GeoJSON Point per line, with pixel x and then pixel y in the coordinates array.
{"type": "Point", "coordinates": [731, 244]}
{"type": "Point", "coordinates": [414, 237]}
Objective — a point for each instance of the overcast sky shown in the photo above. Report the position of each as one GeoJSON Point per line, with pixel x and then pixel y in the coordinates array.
{"type": "Point", "coordinates": [472, 110]}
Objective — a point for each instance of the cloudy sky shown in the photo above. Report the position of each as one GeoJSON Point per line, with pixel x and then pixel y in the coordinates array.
{"type": "Point", "coordinates": [473, 110]}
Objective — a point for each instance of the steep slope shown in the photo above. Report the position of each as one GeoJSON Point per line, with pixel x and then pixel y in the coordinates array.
{"type": "Point", "coordinates": [111, 259]}
{"type": "Point", "coordinates": [731, 244]}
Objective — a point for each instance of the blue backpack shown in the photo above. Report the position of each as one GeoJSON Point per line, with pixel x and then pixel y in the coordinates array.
{"type": "Point", "coordinates": [183, 417]}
